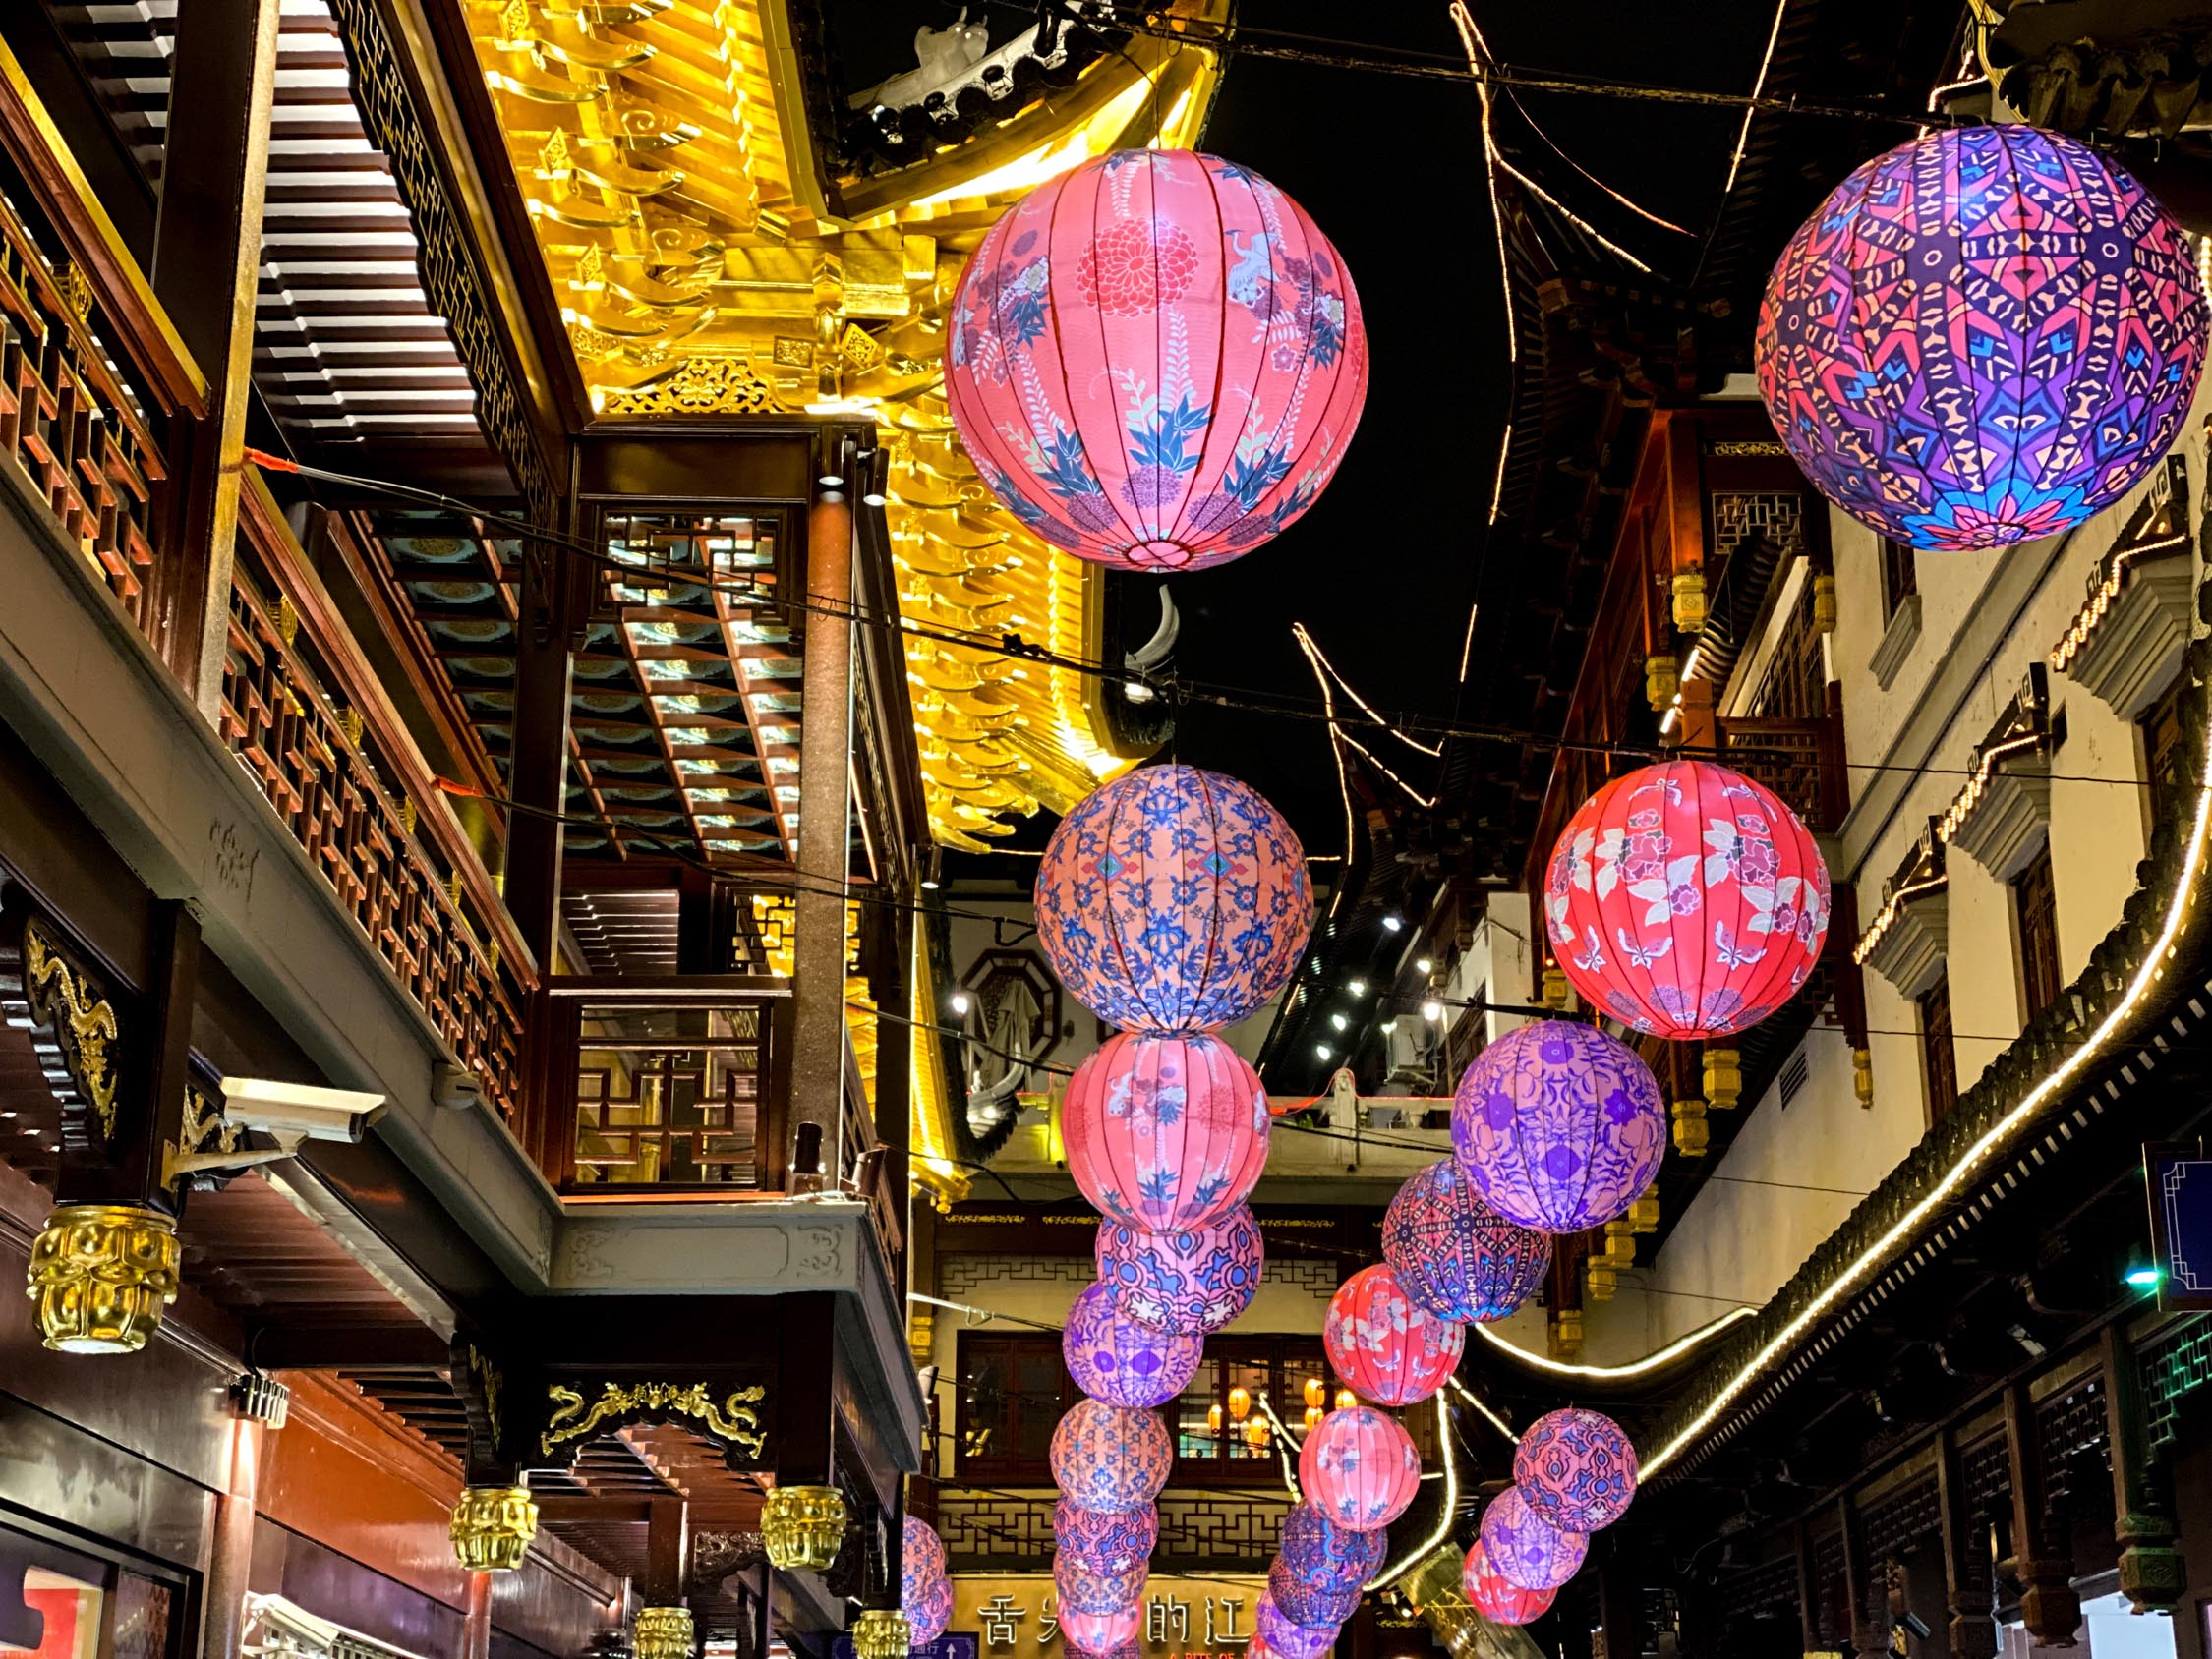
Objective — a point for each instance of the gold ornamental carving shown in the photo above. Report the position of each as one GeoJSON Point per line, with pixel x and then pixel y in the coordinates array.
{"type": "Point", "coordinates": [881, 1633]}
{"type": "Point", "coordinates": [803, 1526]}
{"type": "Point", "coordinates": [82, 1021]}
{"type": "Point", "coordinates": [731, 1420]}
{"type": "Point", "coordinates": [100, 1275]}
{"type": "Point", "coordinates": [493, 1526]}
{"type": "Point", "coordinates": [661, 1632]}
{"type": "Point", "coordinates": [697, 385]}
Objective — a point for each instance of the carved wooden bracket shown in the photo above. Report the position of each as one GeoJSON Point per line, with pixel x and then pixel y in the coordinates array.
{"type": "Point", "coordinates": [78, 1019]}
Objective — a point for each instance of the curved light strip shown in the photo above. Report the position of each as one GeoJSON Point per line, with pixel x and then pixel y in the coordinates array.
{"type": "Point", "coordinates": [1390, 1574]}
{"type": "Point", "coordinates": [1635, 1367]}
{"type": "Point", "coordinates": [1480, 1404]}
{"type": "Point", "coordinates": [2151, 969]}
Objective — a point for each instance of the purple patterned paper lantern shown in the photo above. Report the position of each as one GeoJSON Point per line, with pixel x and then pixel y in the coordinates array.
{"type": "Point", "coordinates": [1309, 1604]}
{"type": "Point", "coordinates": [1284, 1636]}
{"type": "Point", "coordinates": [1982, 337]}
{"type": "Point", "coordinates": [1526, 1549]}
{"type": "Point", "coordinates": [1112, 1541]}
{"type": "Point", "coordinates": [929, 1610]}
{"type": "Point", "coordinates": [1173, 900]}
{"type": "Point", "coordinates": [1087, 1589]}
{"type": "Point", "coordinates": [1576, 1470]}
{"type": "Point", "coordinates": [1118, 1360]}
{"type": "Point", "coordinates": [1456, 1256]}
{"type": "Point", "coordinates": [1189, 1282]}
{"type": "Point", "coordinates": [1326, 1556]}
{"type": "Point", "coordinates": [1110, 1458]}
{"type": "Point", "coordinates": [1559, 1127]}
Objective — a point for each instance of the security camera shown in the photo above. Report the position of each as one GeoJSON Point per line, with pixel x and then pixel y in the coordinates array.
{"type": "Point", "coordinates": [299, 1110]}
{"type": "Point", "coordinates": [456, 1087]}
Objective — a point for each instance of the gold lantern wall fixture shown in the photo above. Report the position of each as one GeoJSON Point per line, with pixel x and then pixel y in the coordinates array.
{"type": "Point", "coordinates": [803, 1527]}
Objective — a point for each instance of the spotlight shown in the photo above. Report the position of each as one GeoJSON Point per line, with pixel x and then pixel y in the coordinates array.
{"type": "Point", "coordinates": [1340, 1022]}
{"type": "Point", "coordinates": [929, 884]}
{"type": "Point", "coordinates": [1321, 1050]}
{"type": "Point", "coordinates": [1394, 922]}
{"type": "Point", "coordinates": [1136, 691]}
{"type": "Point", "coordinates": [1390, 1028]}
{"type": "Point", "coordinates": [1357, 988]}
{"type": "Point", "coordinates": [1425, 967]}
{"type": "Point", "coordinates": [961, 1003]}
{"type": "Point", "coordinates": [1431, 1010]}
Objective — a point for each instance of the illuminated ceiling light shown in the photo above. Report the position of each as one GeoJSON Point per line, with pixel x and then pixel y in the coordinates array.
{"type": "Point", "coordinates": [930, 884]}
{"type": "Point", "coordinates": [961, 1002]}
{"type": "Point", "coordinates": [1321, 1050]}
{"type": "Point", "coordinates": [1340, 1022]}
{"type": "Point", "coordinates": [1394, 922]}
{"type": "Point", "coordinates": [1425, 967]}
{"type": "Point", "coordinates": [1432, 1011]}
{"type": "Point", "coordinates": [1357, 988]}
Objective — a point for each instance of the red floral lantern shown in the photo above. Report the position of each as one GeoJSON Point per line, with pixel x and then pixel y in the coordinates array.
{"type": "Point", "coordinates": [1496, 1597]}
{"type": "Point", "coordinates": [1099, 1632]}
{"type": "Point", "coordinates": [1687, 900]}
{"type": "Point", "coordinates": [1165, 1133]}
{"type": "Point", "coordinates": [1156, 360]}
{"type": "Point", "coordinates": [1359, 1468]}
{"type": "Point", "coordinates": [1390, 1349]}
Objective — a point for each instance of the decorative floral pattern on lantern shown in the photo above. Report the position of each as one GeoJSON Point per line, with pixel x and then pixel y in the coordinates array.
{"type": "Point", "coordinates": [1329, 1556]}
{"type": "Point", "coordinates": [1174, 901]}
{"type": "Point", "coordinates": [1389, 1347]}
{"type": "Point", "coordinates": [929, 1610]}
{"type": "Point", "coordinates": [1526, 1549]}
{"type": "Point", "coordinates": [1559, 1127]}
{"type": "Point", "coordinates": [1576, 1470]}
{"type": "Point", "coordinates": [921, 1558]}
{"type": "Point", "coordinates": [1496, 1597]}
{"type": "Point", "coordinates": [1359, 1468]}
{"type": "Point", "coordinates": [1191, 1281]}
{"type": "Point", "coordinates": [1085, 1587]}
{"type": "Point", "coordinates": [1114, 1358]}
{"type": "Point", "coordinates": [1455, 1255]}
{"type": "Point", "coordinates": [1110, 1458]}
{"type": "Point", "coordinates": [1099, 1632]}
{"type": "Point", "coordinates": [1686, 900]}
{"type": "Point", "coordinates": [1285, 1635]}
{"type": "Point", "coordinates": [1982, 337]}
{"type": "Point", "coordinates": [1165, 1132]}
{"type": "Point", "coordinates": [1156, 360]}
{"type": "Point", "coordinates": [1312, 1605]}
{"type": "Point", "coordinates": [1112, 1541]}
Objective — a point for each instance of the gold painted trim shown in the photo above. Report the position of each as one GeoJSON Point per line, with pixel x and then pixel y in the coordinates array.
{"type": "Point", "coordinates": [91, 1020]}
{"type": "Point", "coordinates": [731, 1420]}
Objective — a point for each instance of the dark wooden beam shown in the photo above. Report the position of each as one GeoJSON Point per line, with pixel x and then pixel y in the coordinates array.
{"type": "Point", "coordinates": [385, 1346]}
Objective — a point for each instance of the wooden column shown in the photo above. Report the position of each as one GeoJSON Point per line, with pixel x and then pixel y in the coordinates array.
{"type": "Point", "coordinates": [476, 1618]}
{"type": "Point", "coordinates": [230, 1557]}
{"type": "Point", "coordinates": [1808, 1592]}
{"type": "Point", "coordinates": [2152, 1574]}
{"type": "Point", "coordinates": [1969, 1585]}
{"type": "Point", "coordinates": [1866, 1592]}
{"type": "Point", "coordinates": [537, 768]}
{"type": "Point", "coordinates": [207, 265]}
{"type": "Point", "coordinates": [668, 1544]}
{"type": "Point", "coordinates": [824, 812]}
{"type": "Point", "coordinates": [2042, 1564]}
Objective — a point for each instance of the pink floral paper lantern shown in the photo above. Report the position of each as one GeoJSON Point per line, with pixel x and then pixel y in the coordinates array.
{"type": "Point", "coordinates": [1191, 1281]}
{"type": "Point", "coordinates": [922, 1557]}
{"type": "Point", "coordinates": [1359, 1468]}
{"type": "Point", "coordinates": [1559, 1127]}
{"type": "Point", "coordinates": [1526, 1549]}
{"type": "Point", "coordinates": [1165, 1132]}
{"type": "Point", "coordinates": [1576, 1470]}
{"type": "Point", "coordinates": [1456, 1256]}
{"type": "Point", "coordinates": [1284, 1636]}
{"type": "Point", "coordinates": [1085, 1587]}
{"type": "Point", "coordinates": [1118, 1360]}
{"type": "Point", "coordinates": [929, 1610]}
{"type": "Point", "coordinates": [1156, 360]}
{"type": "Point", "coordinates": [1312, 1605]}
{"type": "Point", "coordinates": [1099, 1632]}
{"type": "Point", "coordinates": [1110, 1458]}
{"type": "Point", "coordinates": [1173, 900]}
{"type": "Point", "coordinates": [1385, 1345]}
{"type": "Point", "coordinates": [1113, 1541]}
{"type": "Point", "coordinates": [1496, 1597]}
{"type": "Point", "coordinates": [1687, 900]}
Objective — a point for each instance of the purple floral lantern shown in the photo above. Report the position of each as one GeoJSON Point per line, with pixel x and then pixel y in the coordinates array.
{"type": "Point", "coordinates": [1456, 1256]}
{"type": "Point", "coordinates": [1576, 1470]}
{"type": "Point", "coordinates": [929, 1610]}
{"type": "Point", "coordinates": [1559, 1127]}
{"type": "Point", "coordinates": [1526, 1549]}
{"type": "Point", "coordinates": [1114, 1358]}
{"type": "Point", "coordinates": [1284, 1636]}
{"type": "Point", "coordinates": [1326, 1556]}
{"type": "Point", "coordinates": [1112, 1541]}
{"type": "Point", "coordinates": [1086, 1588]}
{"type": "Point", "coordinates": [1110, 1458]}
{"type": "Point", "coordinates": [922, 1557]}
{"type": "Point", "coordinates": [1315, 1608]}
{"type": "Point", "coordinates": [1189, 1282]}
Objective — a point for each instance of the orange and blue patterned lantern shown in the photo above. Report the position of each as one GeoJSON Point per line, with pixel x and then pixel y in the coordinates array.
{"type": "Point", "coordinates": [1156, 360]}
{"type": "Point", "coordinates": [1191, 1281]}
{"type": "Point", "coordinates": [1114, 1358]}
{"type": "Point", "coordinates": [1083, 1587]}
{"type": "Point", "coordinates": [1099, 1632]}
{"type": "Point", "coordinates": [1110, 1458]}
{"type": "Point", "coordinates": [1173, 899]}
{"type": "Point", "coordinates": [1526, 1549]}
{"type": "Point", "coordinates": [1576, 1470]}
{"type": "Point", "coordinates": [1165, 1132]}
{"type": "Point", "coordinates": [929, 1610]}
{"type": "Point", "coordinates": [1359, 1468]}
{"type": "Point", "coordinates": [1455, 1255]}
{"type": "Point", "coordinates": [1285, 1635]}
{"type": "Point", "coordinates": [1312, 1605]}
{"type": "Point", "coordinates": [1386, 1345]}
{"type": "Point", "coordinates": [1559, 1127]}
{"type": "Point", "coordinates": [1112, 1541]}
{"type": "Point", "coordinates": [1496, 1597]}
{"type": "Point", "coordinates": [1318, 1552]}
{"type": "Point", "coordinates": [1982, 337]}
{"type": "Point", "coordinates": [921, 1558]}
{"type": "Point", "coordinates": [1686, 900]}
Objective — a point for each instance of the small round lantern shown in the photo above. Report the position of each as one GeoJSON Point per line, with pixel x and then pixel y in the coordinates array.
{"type": "Point", "coordinates": [929, 1610]}
{"type": "Point", "coordinates": [1316, 1392]}
{"type": "Point", "coordinates": [1174, 901]}
{"type": "Point", "coordinates": [1311, 1605]}
{"type": "Point", "coordinates": [1389, 1347]}
{"type": "Point", "coordinates": [1165, 1132]}
{"type": "Point", "coordinates": [1455, 1255]}
{"type": "Point", "coordinates": [1284, 1636]}
{"type": "Point", "coordinates": [1314, 1416]}
{"type": "Point", "coordinates": [1099, 1632]}
{"type": "Point", "coordinates": [1346, 1399]}
{"type": "Point", "coordinates": [1156, 359]}
{"type": "Point", "coordinates": [1496, 1597]}
{"type": "Point", "coordinates": [1110, 1458]}
{"type": "Point", "coordinates": [1115, 1359]}
{"type": "Point", "coordinates": [1559, 1127]}
{"type": "Point", "coordinates": [1318, 1552]}
{"type": "Point", "coordinates": [1191, 1281]}
{"type": "Point", "coordinates": [1982, 337]}
{"type": "Point", "coordinates": [1258, 1433]}
{"type": "Point", "coordinates": [1240, 1403]}
{"type": "Point", "coordinates": [1086, 1588]}
{"type": "Point", "coordinates": [1576, 1470]}
{"type": "Point", "coordinates": [1526, 1549]}
{"type": "Point", "coordinates": [1359, 1468]}
{"type": "Point", "coordinates": [1686, 899]}
{"type": "Point", "coordinates": [1112, 1541]}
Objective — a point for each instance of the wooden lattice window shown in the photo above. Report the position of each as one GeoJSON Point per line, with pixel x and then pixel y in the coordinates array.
{"type": "Point", "coordinates": [1939, 1058]}
{"type": "Point", "coordinates": [1900, 577]}
{"type": "Point", "coordinates": [2036, 900]}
